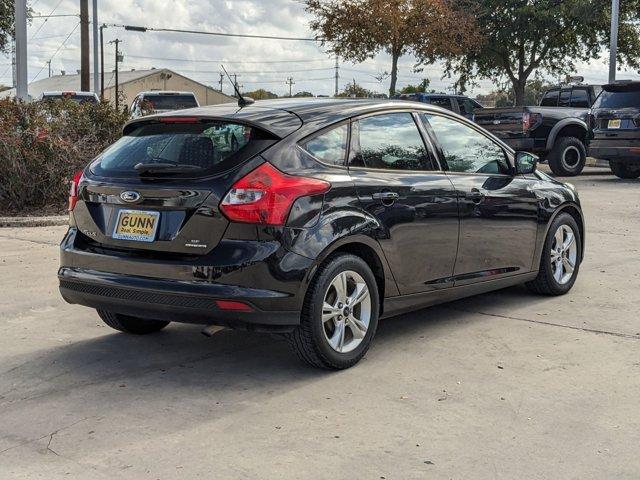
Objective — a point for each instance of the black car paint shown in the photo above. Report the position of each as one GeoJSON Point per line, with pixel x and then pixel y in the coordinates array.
{"type": "Point", "coordinates": [270, 268]}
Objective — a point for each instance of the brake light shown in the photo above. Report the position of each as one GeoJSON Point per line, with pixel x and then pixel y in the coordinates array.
{"type": "Point", "coordinates": [178, 119]}
{"type": "Point", "coordinates": [73, 190]}
{"type": "Point", "coordinates": [265, 195]}
{"type": "Point", "coordinates": [530, 120]}
{"type": "Point", "coordinates": [233, 305]}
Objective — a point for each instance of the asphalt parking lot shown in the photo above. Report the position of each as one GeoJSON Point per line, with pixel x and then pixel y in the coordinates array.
{"type": "Point", "coordinates": [503, 385]}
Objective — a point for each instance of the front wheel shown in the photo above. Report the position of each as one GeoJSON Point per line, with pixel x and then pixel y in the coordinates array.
{"type": "Point", "coordinates": [624, 170]}
{"type": "Point", "coordinates": [128, 324]}
{"type": "Point", "coordinates": [561, 257]}
{"type": "Point", "coordinates": [340, 314]}
{"type": "Point", "coordinates": [567, 157]}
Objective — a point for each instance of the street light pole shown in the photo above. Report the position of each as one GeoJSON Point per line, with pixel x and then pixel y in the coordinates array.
{"type": "Point", "coordinates": [615, 13]}
{"type": "Point", "coordinates": [96, 77]}
{"type": "Point", "coordinates": [116, 42]}
{"type": "Point", "coordinates": [102, 27]}
{"type": "Point", "coordinates": [22, 90]}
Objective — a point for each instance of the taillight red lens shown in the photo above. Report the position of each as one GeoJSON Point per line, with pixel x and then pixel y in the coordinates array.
{"type": "Point", "coordinates": [233, 305]}
{"type": "Point", "coordinates": [529, 120]}
{"type": "Point", "coordinates": [265, 195]}
{"type": "Point", "coordinates": [73, 190]}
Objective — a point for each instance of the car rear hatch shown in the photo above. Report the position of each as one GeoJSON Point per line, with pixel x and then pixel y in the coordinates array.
{"type": "Point", "coordinates": [157, 189]}
{"type": "Point", "coordinates": [615, 116]}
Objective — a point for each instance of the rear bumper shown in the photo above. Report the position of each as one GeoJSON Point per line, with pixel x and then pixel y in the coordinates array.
{"type": "Point", "coordinates": [263, 276]}
{"type": "Point", "coordinates": [620, 154]}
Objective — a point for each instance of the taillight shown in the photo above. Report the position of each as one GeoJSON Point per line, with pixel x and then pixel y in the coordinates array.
{"type": "Point", "coordinates": [73, 190]}
{"type": "Point", "coordinates": [530, 120]}
{"type": "Point", "coordinates": [265, 195]}
{"type": "Point", "coordinates": [591, 121]}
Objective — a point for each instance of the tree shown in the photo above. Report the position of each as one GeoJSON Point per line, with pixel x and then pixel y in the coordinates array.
{"type": "Point", "coordinates": [355, 90]}
{"type": "Point", "coordinates": [303, 94]}
{"type": "Point", "coordinates": [261, 94]}
{"type": "Point", "coordinates": [420, 88]}
{"type": "Point", "coordinates": [359, 29]}
{"type": "Point", "coordinates": [6, 24]}
{"type": "Point", "coordinates": [520, 37]}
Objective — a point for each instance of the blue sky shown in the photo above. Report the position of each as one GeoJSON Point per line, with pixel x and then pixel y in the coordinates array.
{"type": "Point", "coordinates": [254, 60]}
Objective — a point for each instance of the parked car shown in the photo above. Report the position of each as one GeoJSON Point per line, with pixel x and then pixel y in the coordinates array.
{"type": "Point", "coordinates": [147, 103]}
{"type": "Point", "coordinates": [460, 104]}
{"type": "Point", "coordinates": [334, 214]}
{"type": "Point", "coordinates": [614, 123]}
{"type": "Point", "coordinates": [78, 97]}
{"type": "Point", "coordinates": [556, 130]}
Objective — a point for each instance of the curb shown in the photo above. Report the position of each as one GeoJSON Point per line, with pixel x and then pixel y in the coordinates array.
{"type": "Point", "coordinates": [57, 220]}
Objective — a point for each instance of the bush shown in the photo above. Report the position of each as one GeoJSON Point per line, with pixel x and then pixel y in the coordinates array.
{"type": "Point", "coordinates": [42, 144]}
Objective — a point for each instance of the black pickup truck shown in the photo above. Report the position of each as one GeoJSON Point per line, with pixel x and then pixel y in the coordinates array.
{"type": "Point", "coordinates": [556, 130]}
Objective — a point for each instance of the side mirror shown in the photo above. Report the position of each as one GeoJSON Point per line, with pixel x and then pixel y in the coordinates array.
{"type": "Point", "coordinates": [526, 163]}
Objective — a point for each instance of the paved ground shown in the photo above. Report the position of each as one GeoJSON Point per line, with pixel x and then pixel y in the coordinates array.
{"type": "Point", "coordinates": [505, 385]}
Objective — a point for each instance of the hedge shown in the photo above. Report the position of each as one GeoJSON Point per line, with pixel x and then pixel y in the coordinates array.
{"type": "Point", "coordinates": [42, 144]}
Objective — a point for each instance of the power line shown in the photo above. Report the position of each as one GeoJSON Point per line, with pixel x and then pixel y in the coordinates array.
{"type": "Point", "coordinates": [61, 45]}
{"type": "Point", "coordinates": [46, 19]}
{"type": "Point", "coordinates": [227, 61]}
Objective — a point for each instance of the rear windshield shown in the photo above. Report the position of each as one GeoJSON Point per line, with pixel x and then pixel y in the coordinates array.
{"type": "Point", "coordinates": [169, 102]}
{"type": "Point", "coordinates": [197, 148]}
{"type": "Point", "coordinates": [73, 98]}
{"type": "Point", "coordinates": [618, 99]}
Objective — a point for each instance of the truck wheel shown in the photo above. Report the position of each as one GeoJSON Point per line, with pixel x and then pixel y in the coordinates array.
{"type": "Point", "coordinates": [567, 157]}
{"type": "Point", "coordinates": [127, 324]}
{"type": "Point", "coordinates": [623, 170]}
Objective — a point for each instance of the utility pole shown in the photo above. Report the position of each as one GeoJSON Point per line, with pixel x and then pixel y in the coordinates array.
{"type": "Point", "coordinates": [291, 83]}
{"type": "Point", "coordinates": [235, 83]}
{"type": "Point", "coordinates": [49, 65]}
{"type": "Point", "coordinates": [85, 78]}
{"type": "Point", "coordinates": [96, 77]}
{"type": "Point", "coordinates": [116, 42]}
{"type": "Point", "coordinates": [102, 27]}
{"type": "Point", "coordinates": [335, 92]}
{"type": "Point", "coordinates": [615, 12]}
{"type": "Point", "coordinates": [221, 80]}
{"type": "Point", "coordinates": [22, 89]}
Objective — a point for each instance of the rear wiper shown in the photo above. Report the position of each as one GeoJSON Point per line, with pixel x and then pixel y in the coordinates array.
{"type": "Point", "coordinates": [165, 168]}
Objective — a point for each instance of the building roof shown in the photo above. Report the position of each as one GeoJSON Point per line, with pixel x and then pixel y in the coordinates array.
{"type": "Point", "coordinates": [72, 82]}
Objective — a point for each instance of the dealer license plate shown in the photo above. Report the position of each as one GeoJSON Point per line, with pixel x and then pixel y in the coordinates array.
{"type": "Point", "coordinates": [137, 225]}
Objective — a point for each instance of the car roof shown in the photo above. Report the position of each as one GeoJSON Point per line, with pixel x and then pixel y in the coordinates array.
{"type": "Point", "coordinates": [166, 92]}
{"type": "Point", "coordinates": [63, 92]}
{"type": "Point", "coordinates": [284, 116]}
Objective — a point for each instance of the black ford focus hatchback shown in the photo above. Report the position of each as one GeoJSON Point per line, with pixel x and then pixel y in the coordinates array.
{"type": "Point", "coordinates": [310, 218]}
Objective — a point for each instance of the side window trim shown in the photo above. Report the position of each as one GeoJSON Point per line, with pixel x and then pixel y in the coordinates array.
{"type": "Point", "coordinates": [353, 147]}
{"type": "Point", "coordinates": [300, 143]}
{"type": "Point", "coordinates": [434, 139]}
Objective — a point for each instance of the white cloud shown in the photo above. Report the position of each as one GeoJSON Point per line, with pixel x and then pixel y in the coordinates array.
{"type": "Point", "coordinates": [197, 56]}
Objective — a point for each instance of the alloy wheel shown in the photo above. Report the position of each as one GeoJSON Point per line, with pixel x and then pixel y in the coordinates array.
{"type": "Point", "coordinates": [346, 311]}
{"type": "Point", "coordinates": [564, 254]}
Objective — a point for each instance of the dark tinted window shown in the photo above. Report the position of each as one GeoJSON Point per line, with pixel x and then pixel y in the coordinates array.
{"type": "Point", "coordinates": [329, 147]}
{"type": "Point", "coordinates": [444, 102]}
{"type": "Point", "coordinates": [580, 98]}
{"type": "Point", "coordinates": [550, 99]}
{"type": "Point", "coordinates": [466, 106]}
{"type": "Point", "coordinates": [565, 98]}
{"type": "Point", "coordinates": [618, 99]}
{"type": "Point", "coordinates": [169, 102]}
{"type": "Point", "coordinates": [390, 141]}
{"type": "Point", "coordinates": [465, 149]}
{"type": "Point", "coordinates": [206, 146]}
{"type": "Point", "coordinates": [74, 98]}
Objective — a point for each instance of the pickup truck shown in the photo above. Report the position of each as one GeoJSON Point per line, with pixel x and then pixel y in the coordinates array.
{"type": "Point", "coordinates": [556, 130]}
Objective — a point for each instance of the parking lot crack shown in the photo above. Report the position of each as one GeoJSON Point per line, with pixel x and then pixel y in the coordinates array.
{"type": "Point", "coordinates": [552, 324]}
{"type": "Point", "coordinates": [39, 242]}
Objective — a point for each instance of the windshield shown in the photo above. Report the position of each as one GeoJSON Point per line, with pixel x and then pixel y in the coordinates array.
{"type": "Point", "coordinates": [203, 147]}
{"type": "Point", "coordinates": [618, 99]}
{"type": "Point", "coordinates": [169, 102]}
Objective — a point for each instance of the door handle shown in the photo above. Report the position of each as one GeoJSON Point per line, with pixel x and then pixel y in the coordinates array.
{"type": "Point", "coordinates": [475, 195]}
{"type": "Point", "coordinates": [387, 198]}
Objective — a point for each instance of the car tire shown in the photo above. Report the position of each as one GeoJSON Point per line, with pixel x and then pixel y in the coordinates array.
{"type": "Point", "coordinates": [624, 170]}
{"type": "Point", "coordinates": [133, 325]}
{"type": "Point", "coordinates": [567, 157]}
{"type": "Point", "coordinates": [549, 281]}
{"type": "Point", "coordinates": [329, 340]}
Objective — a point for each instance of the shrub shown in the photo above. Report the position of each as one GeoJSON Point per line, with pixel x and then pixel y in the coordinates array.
{"type": "Point", "coordinates": [42, 144]}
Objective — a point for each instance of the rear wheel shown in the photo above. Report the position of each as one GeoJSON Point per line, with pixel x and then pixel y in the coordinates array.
{"type": "Point", "coordinates": [567, 157]}
{"type": "Point", "coordinates": [340, 314]}
{"type": "Point", "coordinates": [561, 258]}
{"type": "Point", "coordinates": [128, 324]}
{"type": "Point", "coordinates": [624, 170]}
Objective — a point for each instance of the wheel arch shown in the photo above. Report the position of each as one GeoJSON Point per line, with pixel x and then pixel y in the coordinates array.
{"type": "Point", "coordinates": [574, 210]}
{"type": "Point", "coordinates": [568, 127]}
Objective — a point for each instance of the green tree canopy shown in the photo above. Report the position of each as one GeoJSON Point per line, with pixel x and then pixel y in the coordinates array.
{"type": "Point", "coordinates": [520, 37]}
{"type": "Point", "coordinates": [261, 94]}
{"type": "Point", "coordinates": [303, 94]}
{"type": "Point", "coordinates": [355, 90]}
{"type": "Point", "coordinates": [420, 88]}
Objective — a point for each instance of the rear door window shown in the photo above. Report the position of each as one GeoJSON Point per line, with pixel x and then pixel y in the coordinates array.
{"type": "Point", "coordinates": [202, 148]}
{"type": "Point", "coordinates": [329, 146]}
{"type": "Point", "coordinates": [565, 98]}
{"type": "Point", "coordinates": [444, 102]}
{"type": "Point", "coordinates": [390, 142]}
{"type": "Point", "coordinates": [550, 99]}
{"type": "Point", "coordinates": [580, 98]}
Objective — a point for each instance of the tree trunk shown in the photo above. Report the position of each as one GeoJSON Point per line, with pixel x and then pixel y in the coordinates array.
{"type": "Point", "coordinates": [519, 90]}
{"type": "Point", "coordinates": [394, 72]}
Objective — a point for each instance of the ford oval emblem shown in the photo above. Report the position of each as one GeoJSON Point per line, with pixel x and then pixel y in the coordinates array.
{"type": "Point", "coordinates": [130, 196]}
